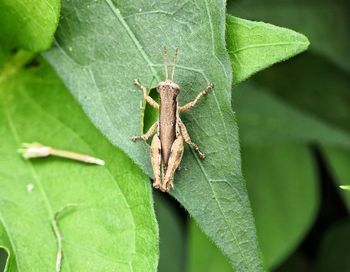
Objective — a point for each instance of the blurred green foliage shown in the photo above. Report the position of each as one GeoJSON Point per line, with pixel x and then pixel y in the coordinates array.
{"type": "Point", "coordinates": [295, 133]}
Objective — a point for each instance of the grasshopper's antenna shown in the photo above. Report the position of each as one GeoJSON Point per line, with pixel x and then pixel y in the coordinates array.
{"type": "Point", "coordinates": [174, 65]}
{"type": "Point", "coordinates": [166, 63]}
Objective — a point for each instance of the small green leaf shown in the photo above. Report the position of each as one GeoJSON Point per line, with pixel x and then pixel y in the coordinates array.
{"type": "Point", "coordinates": [109, 44]}
{"type": "Point", "coordinates": [254, 46]}
{"type": "Point", "coordinates": [326, 23]}
{"type": "Point", "coordinates": [112, 226]}
{"type": "Point", "coordinates": [28, 24]}
{"type": "Point", "coordinates": [345, 187]}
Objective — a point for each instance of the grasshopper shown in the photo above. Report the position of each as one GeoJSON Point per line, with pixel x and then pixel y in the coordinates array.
{"type": "Point", "coordinates": [167, 145]}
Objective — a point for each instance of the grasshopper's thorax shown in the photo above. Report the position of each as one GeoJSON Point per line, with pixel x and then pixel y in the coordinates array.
{"type": "Point", "coordinates": [168, 92]}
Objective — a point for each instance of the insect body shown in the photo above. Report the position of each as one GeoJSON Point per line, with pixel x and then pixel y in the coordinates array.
{"type": "Point", "coordinates": [167, 145]}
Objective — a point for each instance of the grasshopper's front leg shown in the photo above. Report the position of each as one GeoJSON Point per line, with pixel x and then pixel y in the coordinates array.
{"type": "Point", "coordinates": [193, 103]}
{"type": "Point", "coordinates": [149, 99]}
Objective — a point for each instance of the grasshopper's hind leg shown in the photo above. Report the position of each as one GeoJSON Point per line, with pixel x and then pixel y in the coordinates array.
{"type": "Point", "coordinates": [177, 151]}
{"type": "Point", "coordinates": [188, 140]}
{"type": "Point", "coordinates": [156, 160]}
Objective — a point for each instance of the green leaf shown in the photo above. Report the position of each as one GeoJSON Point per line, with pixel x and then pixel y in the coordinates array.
{"type": "Point", "coordinates": [334, 249]}
{"type": "Point", "coordinates": [110, 225]}
{"type": "Point", "coordinates": [279, 168]}
{"type": "Point", "coordinates": [254, 46]}
{"type": "Point", "coordinates": [345, 187]}
{"type": "Point", "coordinates": [203, 254]}
{"type": "Point", "coordinates": [326, 23]}
{"type": "Point", "coordinates": [28, 24]}
{"type": "Point", "coordinates": [109, 44]}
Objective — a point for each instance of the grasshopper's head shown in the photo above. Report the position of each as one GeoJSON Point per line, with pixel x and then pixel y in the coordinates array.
{"type": "Point", "coordinates": [169, 87]}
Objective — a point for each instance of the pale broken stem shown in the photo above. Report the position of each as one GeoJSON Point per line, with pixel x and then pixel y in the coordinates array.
{"type": "Point", "coordinates": [58, 235]}
{"type": "Point", "coordinates": [76, 156]}
{"type": "Point", "coordinates": [37, 150]}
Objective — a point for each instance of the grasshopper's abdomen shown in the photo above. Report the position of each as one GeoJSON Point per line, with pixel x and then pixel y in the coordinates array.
{"type": "Point", "coordinates": [167, 124]}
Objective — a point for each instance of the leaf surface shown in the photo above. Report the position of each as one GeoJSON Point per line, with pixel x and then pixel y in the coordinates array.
{"type": "Point", "coordinates": [254, 46]}
{"type": "Point", "coordinates": [28, 24]}
{"type": "Point", "coordinates": [110, 224]}
{"type": "Point", "coordinates": [102, 46]}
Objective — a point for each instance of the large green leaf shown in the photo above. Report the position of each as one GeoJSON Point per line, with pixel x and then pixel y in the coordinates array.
{"type": "Point", "coordinates": [101, 46]}
{"type": "Point", "coordinates": [254, 46]}
{"type": "Point", "coordinates": [28, 24]}
{"type": "Point", "coordinates": [110, 225]}
{"type": "Point", "coordinates": [325, 22]}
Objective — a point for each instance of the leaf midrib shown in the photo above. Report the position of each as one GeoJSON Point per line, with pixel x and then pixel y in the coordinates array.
{"type": "Point", "coordinates": [132, 36]}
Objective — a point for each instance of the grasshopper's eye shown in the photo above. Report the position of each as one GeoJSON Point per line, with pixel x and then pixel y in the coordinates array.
{"type": "Point", "coordinates": [176, 91]}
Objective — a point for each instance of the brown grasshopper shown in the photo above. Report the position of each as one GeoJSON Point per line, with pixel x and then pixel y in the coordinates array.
{"type": "Point", "coordinates": [167, 145]}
